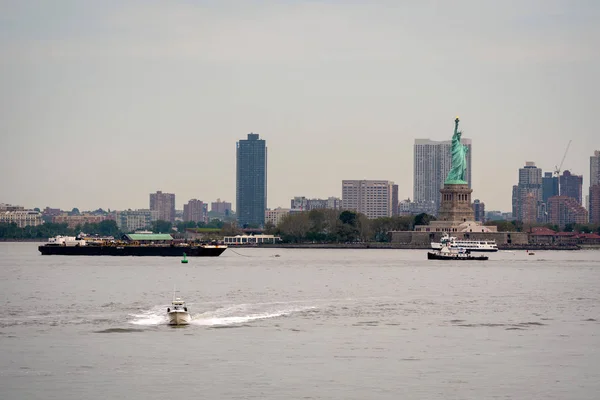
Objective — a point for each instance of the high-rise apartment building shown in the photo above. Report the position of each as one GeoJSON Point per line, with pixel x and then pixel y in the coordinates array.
{"type": "Point", "coordinates": [594, 204]}
{"type": "Point", "coordinates": [549, 186]}
{"type": "Point", "coordinates": [515, 201]}
{"type": "Point", "coordinates": [595, 168]}
{"type": "Point", "coordinates": [479, 210]}
{"type": "Point", "coordinates": [432, 162]}
{"type": "Point", "coordinates": [251, 181]}
{"type": "Point", "coordinates": [564, 210]}
{"type": "Point", "coordinates": [594, 192]}
{"type": "Point", "coordinates": [571, 186]}
{"type": "Point", "coordinates": [372, 198]}
{"type": "Point", "coordinates": [529, 193]}
{"type": "Point", "coordinates": [220, 207]}
{"type": "Point", "coordinates": [164, 204]}
{"type": "Point", "coordinates": [194, 211]}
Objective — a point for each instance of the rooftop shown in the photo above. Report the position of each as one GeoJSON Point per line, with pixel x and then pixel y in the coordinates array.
{"type": "Point", "coordinates": [149, 236]}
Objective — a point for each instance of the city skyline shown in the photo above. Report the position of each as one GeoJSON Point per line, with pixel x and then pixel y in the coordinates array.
{"type": "Point", "coordinates": [105, 104]}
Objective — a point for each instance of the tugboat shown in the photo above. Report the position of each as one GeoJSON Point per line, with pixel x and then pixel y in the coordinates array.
{"type": "Point", "coordinates": [446, 253]}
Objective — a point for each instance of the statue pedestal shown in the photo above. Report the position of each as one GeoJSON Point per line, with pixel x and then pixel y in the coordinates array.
{"type": "Point", "coordinates": [456, 203]}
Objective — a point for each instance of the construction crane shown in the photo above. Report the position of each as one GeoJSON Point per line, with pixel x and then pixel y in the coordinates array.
{"type": "Point", "coordinates": [559, 168]}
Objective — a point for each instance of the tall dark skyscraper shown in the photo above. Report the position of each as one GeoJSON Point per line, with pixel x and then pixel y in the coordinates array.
{"type": "Point", "coordinates": [571, 186]}
{"type": "Point", "coordinates": [549, 186]}
{"type": "Point", "coordinates": [251, 181]}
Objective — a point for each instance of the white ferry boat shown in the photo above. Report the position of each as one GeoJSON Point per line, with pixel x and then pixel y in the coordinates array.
{"type": "Point", "coordinates": [467, 244]}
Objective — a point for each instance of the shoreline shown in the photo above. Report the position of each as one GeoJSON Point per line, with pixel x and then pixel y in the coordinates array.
{"type": "Point", "coordinates": [398, 246]}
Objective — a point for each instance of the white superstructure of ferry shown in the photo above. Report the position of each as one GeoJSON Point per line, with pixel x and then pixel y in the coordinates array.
{"type": "Point", "coordinates": [467, 244]}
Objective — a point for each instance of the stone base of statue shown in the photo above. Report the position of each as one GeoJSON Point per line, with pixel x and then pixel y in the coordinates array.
{"type": "Point", "coordinates": [456, 212]}
{"type": "Point", "coordinates": [456, 203]}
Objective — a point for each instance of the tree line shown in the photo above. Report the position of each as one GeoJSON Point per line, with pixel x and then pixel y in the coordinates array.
{"type": "Point", "coordinates": [333, 226]}
{"type": "Point", "coordinates": [11, 231]}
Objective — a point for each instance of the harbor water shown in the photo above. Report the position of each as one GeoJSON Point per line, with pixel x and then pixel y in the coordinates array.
{"type": "Point", "coordinates": [300, 324]}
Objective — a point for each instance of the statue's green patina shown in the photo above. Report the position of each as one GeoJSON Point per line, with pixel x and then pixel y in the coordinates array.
{"type": "Point", "coordinates": [458, 171]}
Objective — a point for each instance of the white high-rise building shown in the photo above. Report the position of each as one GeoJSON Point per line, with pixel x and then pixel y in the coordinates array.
{"type": "Point", "coordinates": [369, 197]}
{"type": "Point", "coordinates": [432, 162]}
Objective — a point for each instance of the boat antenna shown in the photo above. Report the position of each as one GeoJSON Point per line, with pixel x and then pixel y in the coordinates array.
{"type": "Point", "coordinates": [173, 293]}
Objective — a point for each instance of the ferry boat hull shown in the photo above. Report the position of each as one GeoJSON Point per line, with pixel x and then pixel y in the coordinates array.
{"type": "Point", "coordinates": [151, 251]}
{"type": "Point", "coordinates": [454, 257]}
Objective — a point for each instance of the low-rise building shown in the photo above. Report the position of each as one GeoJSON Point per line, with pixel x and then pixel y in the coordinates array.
{"type": "Point", "coordinates": [22, 218]}
{"type": "Point", "coordinates": [133, 220]}
{"type": "Point", "coordinates": [275, 216]}
{"type": "Point", "coordinates": [251, 239]}
{"type": "Point", "coordinates": [73, 221]}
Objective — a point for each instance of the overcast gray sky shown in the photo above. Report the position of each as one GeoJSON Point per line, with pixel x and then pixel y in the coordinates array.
{"type": "Point", "coordinates": [103, 102]}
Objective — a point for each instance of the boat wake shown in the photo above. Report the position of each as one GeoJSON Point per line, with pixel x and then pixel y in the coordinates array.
{"type": "Point", "coordinates": [232, 315]}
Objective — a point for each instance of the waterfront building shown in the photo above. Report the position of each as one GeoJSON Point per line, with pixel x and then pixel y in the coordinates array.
{"type": "Point", "coordinates": [571, 186]}
{"type": "Point", "coordinates": [10, 207]}
{"type": "Point", "coordinates": [164, 204]}
{"type": "Point", "coordinates": [194, 211]}
{"type": "Point", "coordinates": [563, 210]}
{"type": "Point", "coordinates": [372, 198]}
{"type": "Point", "coordinates": [134, 220]}
{"type": "Point", "coordinates": [74, 221]}
{"type": "Point", "coordinates": [275, 216]}
{"type": "Point", "coordinates": [251, 181]}
{"type": "Point", "coordinates": [251, 239]}
{"type": "Point", "coordinates": [21, 217]}
{"type": "Point", "coordinates": [432, 162]}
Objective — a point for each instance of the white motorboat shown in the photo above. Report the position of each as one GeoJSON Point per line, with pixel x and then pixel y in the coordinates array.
{"type": "Point", "coordinates": [178, 313]}
{"type": "Point", "coordinates": [467, 244]}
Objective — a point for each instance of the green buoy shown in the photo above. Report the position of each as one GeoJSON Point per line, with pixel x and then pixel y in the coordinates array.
{"type": "Point", "coordinates": [184, 261]}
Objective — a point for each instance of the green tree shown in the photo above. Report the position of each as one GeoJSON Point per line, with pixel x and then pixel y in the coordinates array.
{"type": "Point", "coordinates": [161, 226]}
{"type": "Point", "coordinates": [348, 217]}
{"type": "Point", "coordinates": [108, 228]}
{"type": "Point", "coordinates": [423, 219]}
{"type": "Point", "coordinates": [568, 228]}
{"type": "Point", "coordinates": [294, 227]}
{"type": "Point", "coordinates": [182, 226]}
{"type": "Point", "coordinates": [502, 225]}
{"type": "Point", "coordinates": [230, 229]}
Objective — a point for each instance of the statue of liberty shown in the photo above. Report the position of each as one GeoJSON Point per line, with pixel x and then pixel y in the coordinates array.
{"type": "Point", "coordinates": [458, 171]}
